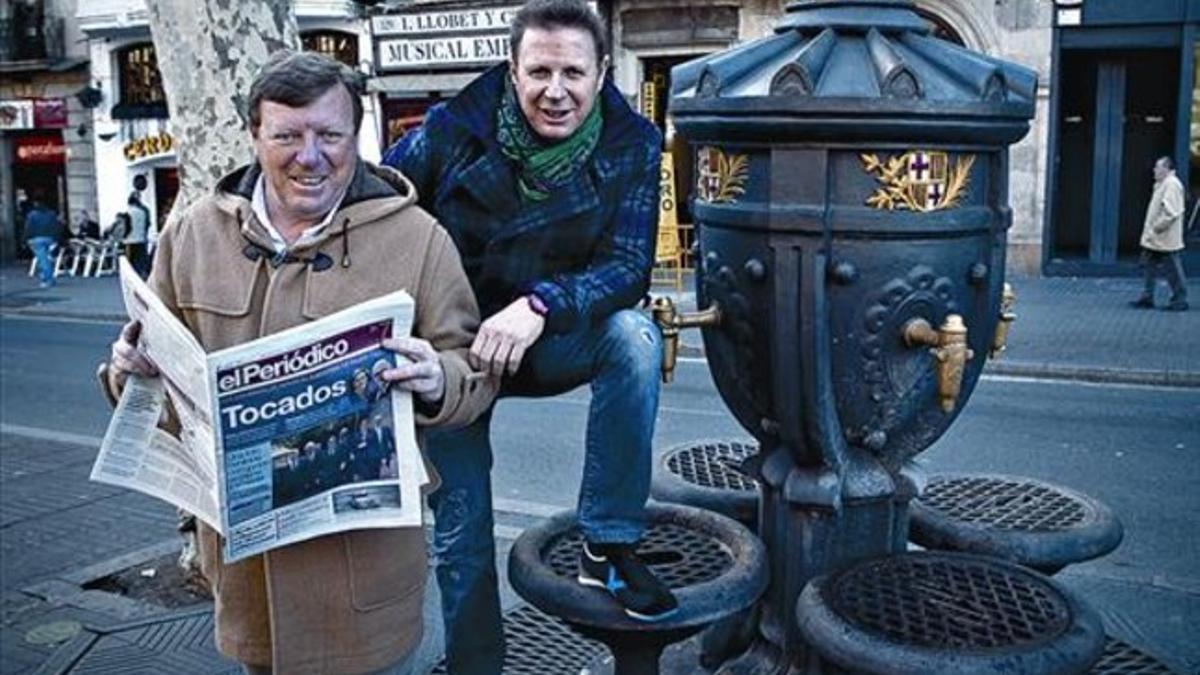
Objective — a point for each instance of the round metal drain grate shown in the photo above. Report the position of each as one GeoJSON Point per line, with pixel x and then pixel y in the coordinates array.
{"type": "Point", "coordinates": [679, 556]}
{"type": "Point", "coordinates": [1006, 503]}
{"type": "Point", "coordinates": [1123, 659]}
{"type": "Point", "coordinates": [712, 464]}
{"type": "Point", "coordinates": [945, 613]}
{"type": "Point", "coordinates": [1031, 522]}
{"type": "Point", "coordinates": [948, 602]}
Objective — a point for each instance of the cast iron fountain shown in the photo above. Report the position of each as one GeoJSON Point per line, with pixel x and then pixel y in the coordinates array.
{"type": "Point", "coordinates": [852, 216]}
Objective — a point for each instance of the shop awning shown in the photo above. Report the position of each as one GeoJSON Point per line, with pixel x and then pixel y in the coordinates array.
{"type": "Point", "coordinates": [419, 84]}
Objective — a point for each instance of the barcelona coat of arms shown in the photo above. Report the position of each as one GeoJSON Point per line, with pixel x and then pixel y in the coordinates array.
{"type": "Point", "coordinates": [720, 177]}
{"type": "Point", "coordinates": [918, 180]}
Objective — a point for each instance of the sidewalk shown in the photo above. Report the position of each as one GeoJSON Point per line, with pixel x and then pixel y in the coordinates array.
{"type": "Point", "coordinates": [1066, 328]}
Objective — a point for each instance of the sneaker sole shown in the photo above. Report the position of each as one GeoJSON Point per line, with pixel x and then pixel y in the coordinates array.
{"type": "Point", "coordinates": [592, 582]}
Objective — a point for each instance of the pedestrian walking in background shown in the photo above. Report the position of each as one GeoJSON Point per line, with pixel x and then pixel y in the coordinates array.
{"type": "Point", "coordinates": [1162, 238]}
{"type": "Point", "coordinates": [43, 228]}
{"type": "Point", "coordinates": [136, 237]}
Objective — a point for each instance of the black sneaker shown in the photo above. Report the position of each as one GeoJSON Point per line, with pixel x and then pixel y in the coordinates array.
{"type": "Point", "coordinates": [1177, 306]}
{"type": "Point", "coordinates": [1142, 303]}
{"type": "Point", "coordinates": [615, 568]}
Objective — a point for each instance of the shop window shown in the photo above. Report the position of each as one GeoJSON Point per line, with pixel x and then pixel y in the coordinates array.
{"type": "Point", "coordinates": [336, 45]}
{"type": "Point", "coordinates": [940, 28]}
{"type": "Point", "coordinates": [140, 84]}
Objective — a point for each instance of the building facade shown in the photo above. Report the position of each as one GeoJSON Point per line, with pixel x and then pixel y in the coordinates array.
{"type": "Point", "coordinates": [45, 124]}
{"type": "Point", "coordinates": [1127, 94]}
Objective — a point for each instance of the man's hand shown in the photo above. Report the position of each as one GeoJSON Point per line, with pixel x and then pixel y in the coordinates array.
{"type": "Point", "coordinates": [504, 337]}
{"type": "Point", "coordinates": [126, 358]}
{"type": "Point", "coordinates": [423, 374]}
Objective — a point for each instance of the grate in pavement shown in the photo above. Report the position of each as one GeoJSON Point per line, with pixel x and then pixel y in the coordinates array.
{"type": "Point", "coordinates": [1120, 658]}
{"type": "Point", "coordinates": [539, 644]}
{"type": "Point", "coordinates": [713, 464]}
{"type": "Point", "coordinates": [181, 643]}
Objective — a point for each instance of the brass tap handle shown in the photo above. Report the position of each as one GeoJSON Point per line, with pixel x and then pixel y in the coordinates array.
{"type": "Point", "coordinates": [1000, 340]}
{"type": "Point", "coordinates": [670, 322]}
{"type": "Point", "coordinates": [948, 345]}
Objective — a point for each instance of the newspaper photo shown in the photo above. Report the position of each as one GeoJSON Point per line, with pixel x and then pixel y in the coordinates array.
{"type": "Point", "coordinates": [281, 439]}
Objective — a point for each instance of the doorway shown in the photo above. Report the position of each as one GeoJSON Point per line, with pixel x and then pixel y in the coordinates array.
{"type": "Point", "coordinates": [1115, 118]}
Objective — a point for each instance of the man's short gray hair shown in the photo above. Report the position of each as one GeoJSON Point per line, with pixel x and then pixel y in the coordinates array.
{"type": "Point", "coordinates": [1167, 162]}
{"type": "Point", "coordinates": [296, 79]}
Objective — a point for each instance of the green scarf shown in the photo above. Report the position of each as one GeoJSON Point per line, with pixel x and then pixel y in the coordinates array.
{"type": "Point", "coordinates": [543, 167]}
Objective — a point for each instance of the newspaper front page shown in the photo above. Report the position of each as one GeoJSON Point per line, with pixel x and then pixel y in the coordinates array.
{"type": "Point", "coordinates": [281, 439]}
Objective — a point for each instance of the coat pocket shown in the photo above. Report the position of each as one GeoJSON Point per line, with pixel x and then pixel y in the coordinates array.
{"type": "Point", "coordinates": [385, 566]}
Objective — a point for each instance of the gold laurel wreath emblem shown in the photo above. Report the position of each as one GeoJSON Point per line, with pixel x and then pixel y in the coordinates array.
{"type": "Point", "coordinates": [721, 177]}
{"type": "Point", "coordinates": [897, 192]}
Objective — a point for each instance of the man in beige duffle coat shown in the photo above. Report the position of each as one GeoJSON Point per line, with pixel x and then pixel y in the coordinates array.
{"type": "Point", "coordinates": [1162, 238]}
{"type": "Point", "coordinates": [305, 230]}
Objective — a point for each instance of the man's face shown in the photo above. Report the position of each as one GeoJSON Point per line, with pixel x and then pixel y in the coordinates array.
{"type": "Point", "coordinates": [556, 78]}
{"type": "Point", "coordinates": [307, 155]}
{"type": "Point", "coordinates": [1160, 170]}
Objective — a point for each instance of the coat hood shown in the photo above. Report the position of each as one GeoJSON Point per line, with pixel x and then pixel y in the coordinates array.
{"type": "Point", "coordinates": [374, 193]}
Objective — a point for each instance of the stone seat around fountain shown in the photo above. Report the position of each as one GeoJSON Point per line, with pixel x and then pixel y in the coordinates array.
{"type": "Point", "coordinates": [935, 612]}
{"type": "Point", "coordinates": [1030, 522]}
{"type": "Point", "coordinates": [714, 565]}
{"type": "Point", "coordinates": [707, 474]}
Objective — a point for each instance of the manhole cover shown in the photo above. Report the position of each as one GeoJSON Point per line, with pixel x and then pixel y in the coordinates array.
{"type": "Point", "coordinates": [53, 633]}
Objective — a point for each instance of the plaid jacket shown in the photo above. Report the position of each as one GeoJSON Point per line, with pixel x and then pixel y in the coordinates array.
{"type": "Point", "coordinates": [586, 251]}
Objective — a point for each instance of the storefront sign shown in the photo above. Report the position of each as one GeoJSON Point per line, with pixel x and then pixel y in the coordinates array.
{"type": "Point", "coordinates": [453, 38]}
{"type": "Point", "coordinates": [146, 146]}
{"type": "Point", "coordinates": [667, 247]}
{"type": "Point", "coordinates": [49, 113]}
{"type": "Point", "coordinates": [408, 54]}
{"type": "Point", "coordinates": [493, 19]}
{"type": "Point", "coordinates": [16, 114]}
{"type": "Point", "coordinates": [40, 149]}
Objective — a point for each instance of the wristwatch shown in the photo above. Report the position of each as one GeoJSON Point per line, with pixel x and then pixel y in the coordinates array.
{"type": "Point", "coordinates": [536, 304]}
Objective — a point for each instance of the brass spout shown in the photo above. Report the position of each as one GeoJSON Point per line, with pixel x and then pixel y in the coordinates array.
{"type": "Point", "coordinates": [670, 322]}
{"type": "Point", "coordinates": [949, 349]}
{"type": "Point", "coordinates": [1000, 340]}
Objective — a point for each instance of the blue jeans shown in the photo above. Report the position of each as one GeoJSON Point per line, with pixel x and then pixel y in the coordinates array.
{"type": "Point", "coordinates": [620, 358]}
{"type": "Point", "coordinates": [41, 250]}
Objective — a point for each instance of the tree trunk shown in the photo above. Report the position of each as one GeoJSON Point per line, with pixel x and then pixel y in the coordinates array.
{"type": "Point", "coordinates": [208, 53]}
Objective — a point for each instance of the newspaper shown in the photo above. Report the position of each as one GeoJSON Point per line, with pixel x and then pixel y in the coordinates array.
{"type": "Point", "coordinates": [282, 439]}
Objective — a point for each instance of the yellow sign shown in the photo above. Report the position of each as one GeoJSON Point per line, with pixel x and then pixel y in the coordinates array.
{"type": "Point", "coordinates": [667, 248]}
{"type": "Point", "coordinates": [154, 144]}
{"type": "Point", "coordinates": [649, 101]}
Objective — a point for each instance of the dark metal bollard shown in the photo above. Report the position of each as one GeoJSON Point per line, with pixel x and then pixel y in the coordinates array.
{"type": "Point", "coordinates": [713, 564]}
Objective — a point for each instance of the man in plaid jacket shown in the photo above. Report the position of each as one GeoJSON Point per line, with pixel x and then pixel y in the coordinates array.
{"type": "Point", "coordinates": [548, 183]}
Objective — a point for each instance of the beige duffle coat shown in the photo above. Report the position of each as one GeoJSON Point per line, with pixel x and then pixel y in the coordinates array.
{"type": "Point", "coordinates": [345, 603]}
{"type": "Point", "coordinates": [1163, 229]}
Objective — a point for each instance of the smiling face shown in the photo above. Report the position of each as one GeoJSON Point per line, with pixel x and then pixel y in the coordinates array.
{"type": "Point", "coordinates": [307, 155]}
{"type": "Point", "coordinates": [556, 79]}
